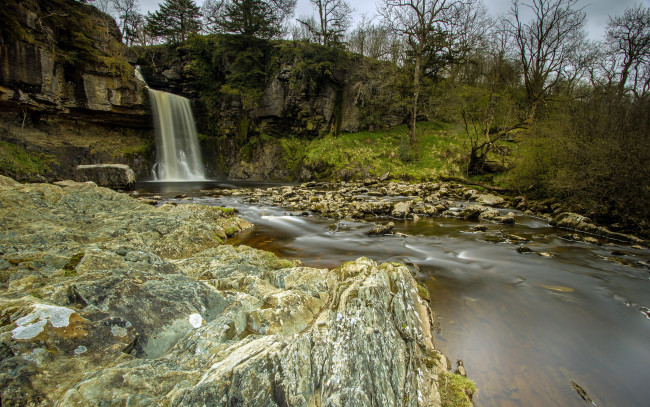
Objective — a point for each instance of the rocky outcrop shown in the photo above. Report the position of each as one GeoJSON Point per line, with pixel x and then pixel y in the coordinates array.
{"type": "Point", "coordinates": [65, 58]}
{"type": "Point", "coordinates": [146, 307]}
{"type": "Point", "coordinates": [68, 95]}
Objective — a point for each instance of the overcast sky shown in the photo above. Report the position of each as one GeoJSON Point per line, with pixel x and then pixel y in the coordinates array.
{"type": "Point", "coordinates": [598, 11]}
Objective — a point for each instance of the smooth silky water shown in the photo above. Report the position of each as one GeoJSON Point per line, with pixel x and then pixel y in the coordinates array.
{"type": "Point", "coordinates": [526, 326]}
{"type": "Point", "coordinates": [178, 154]}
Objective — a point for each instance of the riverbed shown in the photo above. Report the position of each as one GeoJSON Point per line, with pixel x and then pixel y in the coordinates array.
{"type": "Point", "coordinates": [536, 328]}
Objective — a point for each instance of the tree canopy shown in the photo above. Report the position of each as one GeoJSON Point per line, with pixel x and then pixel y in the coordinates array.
{"type": "Point", "coordinates": [175, 21]}
{"type": "Point", "coordinates": [251, 18]}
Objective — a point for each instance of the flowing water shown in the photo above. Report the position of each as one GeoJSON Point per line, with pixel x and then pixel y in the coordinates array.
{"type": "Point", "coordinates": [178, 154]}
{"type": "Point", "coordinates": [530, 328]}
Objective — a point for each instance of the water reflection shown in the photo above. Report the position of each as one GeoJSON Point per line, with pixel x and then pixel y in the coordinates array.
{"type": "Point", "coordinates": [525, 325]}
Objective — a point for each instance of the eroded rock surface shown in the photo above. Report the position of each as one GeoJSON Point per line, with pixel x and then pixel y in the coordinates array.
{"type": "Point", "coordinates": [106, 300]}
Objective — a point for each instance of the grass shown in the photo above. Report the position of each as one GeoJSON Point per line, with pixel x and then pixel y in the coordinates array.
{"type": "Point", "coordinates": [15, 162]}
{"type": "Point", "coordinates": [455, 390]}
{"type": "Point", "coordinates": [440, 152]}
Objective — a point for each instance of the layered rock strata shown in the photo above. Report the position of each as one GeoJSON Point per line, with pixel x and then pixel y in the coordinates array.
{"type": "Point", "coordinates": [106, 300]}
{"type": "Point", "coordinates": [64, 58]}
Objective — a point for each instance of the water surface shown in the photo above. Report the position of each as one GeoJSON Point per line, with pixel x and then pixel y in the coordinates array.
{"type": "Point", "coordinates": [527, 326]}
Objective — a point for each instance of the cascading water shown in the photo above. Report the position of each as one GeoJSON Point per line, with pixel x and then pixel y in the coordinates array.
{"type": "Point", "coordinates": [178, 155]}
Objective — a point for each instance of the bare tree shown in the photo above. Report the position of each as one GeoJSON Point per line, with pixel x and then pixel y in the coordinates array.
{"type": "Point", "coordinates": [424, 24]}
{"type": "Point", "coordinates": [547, 44]}
{"type": "Point", "coordinates": [103, 5]}
{"type": "Point", "coordinates": [298, 31]}
{"type": "Point", "coordinates": [372, 40]}
{"type": "Point", "coordinates": [468, 33]}
{"type": "Point", "coordinates": [129, 17]}
{"type": "Point", "coordinates": [488, 109]}
{"type": "Point", "coordinates": [334, 18]}
{"type": "Point", "coordinates": [629, 39]}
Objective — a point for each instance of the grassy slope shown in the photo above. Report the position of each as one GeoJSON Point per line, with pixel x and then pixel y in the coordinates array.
{"type": "Point", "coordinates": [20, 164]}
{"type": "Point", "coordinates": [441, 152]}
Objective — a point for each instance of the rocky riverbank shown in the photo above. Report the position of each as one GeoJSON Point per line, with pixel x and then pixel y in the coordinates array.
{"type": "Point", "coordinates": [108, 300]}
{"type": "Point", "coordinates": [374, 199]}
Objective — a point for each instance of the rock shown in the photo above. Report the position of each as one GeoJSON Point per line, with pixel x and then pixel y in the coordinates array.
{"type": "Point", "coordinates": [68, 183]}
{"type": "Point", "coordinates": [339, 358]}
{"type": "Point", "coordinates": [493, 215]}
{"type": "Point", "coordinates": [173, 74]}
{"type": "Point", "coordinates": [473, 212]}
{"type": "Point", "coordinates": [573, 221]}
{"type": "Point", "coordinates": [489, 199]}
{"type": "Point", "coordinates": [579, 238]}
{"type": "Point", "coordinates": [401, 209]}
{"type": "Point", "coordinates": [147, 308]}
{"type": "Point", "coordinates": [524, 249]}
{"type": "Point", "coordinates": [115, 176]}
{"type": "Point", "coordinates": [96, 88]}
{"type": "Point", "coordinates": [381, 230]}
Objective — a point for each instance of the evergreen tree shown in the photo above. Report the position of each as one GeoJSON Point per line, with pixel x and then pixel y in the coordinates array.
{"type": "Point", "coordinates": [174, 21]}
{"type": "Point", "coordinates": [252, 18]}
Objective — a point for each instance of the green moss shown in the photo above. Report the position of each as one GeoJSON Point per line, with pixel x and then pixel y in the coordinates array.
{"type": "Point", "coordinates": [231, 230]}
{"type": "Point", "coordinates": [141, 150]}
{"type": "Point", "coordinates": [70, 269]}
{"type": "Point", "coordinates": [455, 390]}
{"type": "Point", "coordinates": [227, 211]}
{"type": "Point", "coordinates": [423, 292]}
{"type": "Point", "coordinates": [15, 162]}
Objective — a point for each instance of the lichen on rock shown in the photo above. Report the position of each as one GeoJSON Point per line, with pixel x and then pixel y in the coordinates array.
{"type": "Point", "coordinates": [160, 313]}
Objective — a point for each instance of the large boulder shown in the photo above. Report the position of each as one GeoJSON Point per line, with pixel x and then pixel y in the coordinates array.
{"type": "Point", "coordinates": [115, 176]}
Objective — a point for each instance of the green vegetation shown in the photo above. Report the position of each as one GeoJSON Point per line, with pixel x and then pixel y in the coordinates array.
{"type": "Point", "coordinates": [70, 268]}
{"type": "Point", "coordinates": [141, 150]}
{"type": "Point", "coordinates": [375, 153]}
{"type": "Point", "coordinates": [175, 21]}
{"type": "Point", "coordinates": [227, 211]}
{"type": "Point", "coordinates": [17, 163]}
{"type": "Point", "coordinates": [84, 37]}
{"type": "Point", "coordinates": [455, 390]}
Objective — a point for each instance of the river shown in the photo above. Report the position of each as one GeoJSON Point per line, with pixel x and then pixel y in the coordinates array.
{"type": "Point", "coordinates": [533, 329]}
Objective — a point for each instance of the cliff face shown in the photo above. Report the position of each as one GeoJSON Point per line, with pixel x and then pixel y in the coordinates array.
{"type": "Point", "coordinates": [68, 94]}
{"type": "Point", "coordinates": [276, 88]}
{"type": "Point", "coordinates": [248, 93]}
{"type": "Point", "coordinates": [64, 58]}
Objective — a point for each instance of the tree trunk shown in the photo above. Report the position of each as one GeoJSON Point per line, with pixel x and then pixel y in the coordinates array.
{"type": "Point", "coordinates": [416, 94]}
{"type": "Point", "coordinates": [476, 163]}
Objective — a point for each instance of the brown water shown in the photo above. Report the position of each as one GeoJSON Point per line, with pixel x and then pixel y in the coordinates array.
{"type": "Point", "coordinates": [525, 325]}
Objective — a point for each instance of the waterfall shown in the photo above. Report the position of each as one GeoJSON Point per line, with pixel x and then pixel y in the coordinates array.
{"type": "Point", "coordinates": [178, 155]}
